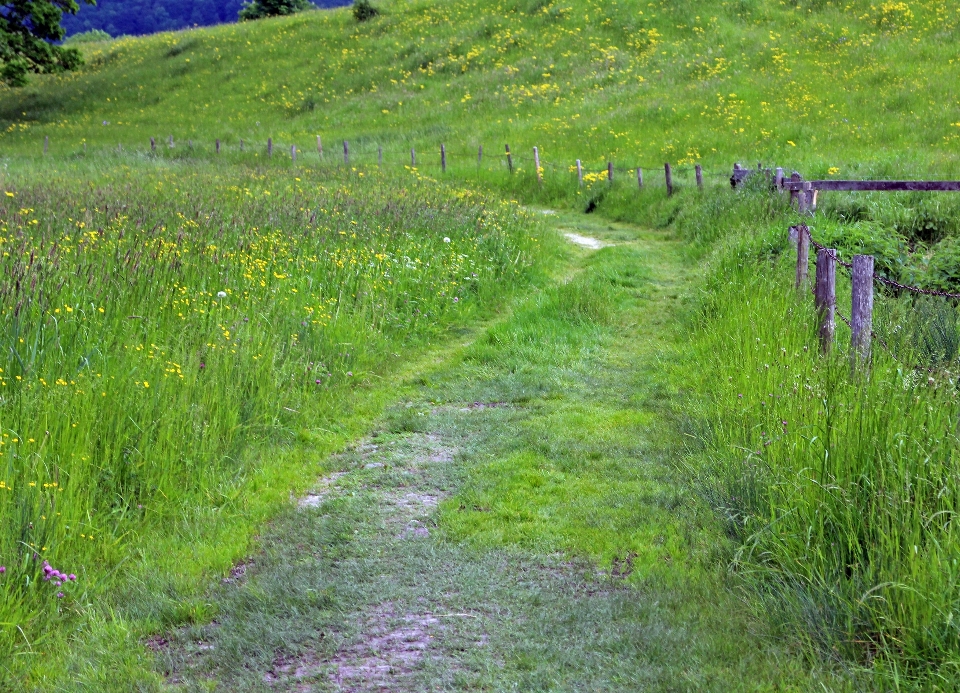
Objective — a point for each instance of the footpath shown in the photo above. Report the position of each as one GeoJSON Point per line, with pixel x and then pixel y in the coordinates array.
{"type": "Point", "coordinates": [518, 524]}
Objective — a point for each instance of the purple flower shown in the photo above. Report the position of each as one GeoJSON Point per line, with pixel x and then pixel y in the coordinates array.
{"type": "Point", "coordinates": [202, 365]}
{"type": "Point", "coordinates": [317, 382]}
{"type": "Point", "coordinates": [59, 595]}
{"type": "Point", "coordinates": [350, 373]}
{"type": "Point", "coordinates": [72, 577]}
{"type": "Point", "coordinates": [3, 569]}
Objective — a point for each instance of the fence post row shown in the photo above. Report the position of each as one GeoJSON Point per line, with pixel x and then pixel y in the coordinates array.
{"type": "Point", "coordinates": [170, 141]}
{"type": "Point", "coordinates": [380, 156]}
{"type": "Point", "coordinates": [699, 170]}
{"type": "Point", "coordinates": [293, 153]}
{"type": "Point", "coordinates": [413, 158]}
{"type": "Point", "coordinates": [639, 178]}
{"type": "Point", "coordinates": [218, 146]}
{"type": "Point", "coordinates": [269, 146]}
{"type": "Point", "coordinates": [610, 171]}
{"type": "Point", "coordinates": [579, 173]}
{"type": "Point", "coordinates": [319, 147]}
{"type": "Point", "coordinates": [46, 143]}
{"type": "Point", "coordinates": [479, 155]}
{"type": "Point", "coordinates": [825, 296]}
{"type": "Point", "coordinates": [668, 175]}
{"type": "Point", "coordinates": [509, 158]}
{"type": "Point", "coordinates": [346, 153]}
{"type": "Point", "coordinates": [536, 163]}
{"type": "Point", "coordinates": [153, 145]}
{"type": "Point", "coordinates": [443, 159]}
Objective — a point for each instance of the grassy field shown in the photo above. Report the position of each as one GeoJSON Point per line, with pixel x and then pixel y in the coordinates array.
{"type": "Point", "coordinates": [151, 424]}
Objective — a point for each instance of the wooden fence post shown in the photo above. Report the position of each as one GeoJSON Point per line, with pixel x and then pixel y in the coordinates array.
{"type": "Point", "coordinates": [119, 149]}
{"type": "Point", "coordinates": [443, 159]}
{"type": "Point", "coordinates": [861, 310]}
{"type": "Point", "coordinates": [190, 144]}
{"type": "Point", "coordinates": [579, 173]}
{"type": "Point", "coordinates": [170, 141]}
{"type": "Point", "coordinates": [380, 156]}
{"type": "Point", "coordinates": [795, 194]}
{"type": "Point", "coordinates": [779, 179]}
{"type": "Point", "coordinates": [480, 155]}
{"type": "Point", "coordinates": [609, 171]}
{"type": "Point", "coordinates": [536, 164]}
{"type": "Point", "coordinates": [668, 174]}
{"type": "Point", "coordinates": [241, 145]}
{"type": "Point", "coordinates": [639, 178]}
{"type": "Point", "coordinates": [413, 157]}
{"type": "Point", "coordinates": [269, 146]}
{"type": "Point", "coordinates": [346, 153]}
{"type": "Point", "coordinates": [319, 147]}
{"type": "Point", "coordinates": [699, 170]}
{"type": "Point", "coordinates": [803, 255]}
{"type": "Point", "coordinates": [293, 153]}
{"type": "Point", "coordinates": [153, 145]}
{"type": "Point", "coordinates": [46, 144]}
{"type": "Point", "coordinates": [825, 295]}
{"type": "Point", "coordinates": [218, 146]}
{"type": "Point", "coordinates": [509, 158]}
{"type": "Point", "coordinates": [805, 200]}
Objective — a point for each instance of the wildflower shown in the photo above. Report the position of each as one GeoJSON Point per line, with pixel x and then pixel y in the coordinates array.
{"type": "Point", "coordinates": [59, 595]}
{"type": "Point", "coordinates": [221, 294]}
{"type": "Point", "coordinates": [446, 239]}
{"type": "Point", "coordinates": [317, 381]}
{"type": "Point", "coordinates": [3, 569]}
{"type": "Point", "coordinates": [350, 373]}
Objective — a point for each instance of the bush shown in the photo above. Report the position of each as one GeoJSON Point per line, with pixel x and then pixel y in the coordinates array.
{"type": "Point", "coordinates": [363, 10]}
{"type": "Point", "coordinates": [92, 36]}
{"type": "Point", "coordinates": [257, 9]}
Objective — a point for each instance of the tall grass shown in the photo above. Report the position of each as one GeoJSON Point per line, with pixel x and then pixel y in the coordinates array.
{"type": "Point", "coordinates": [158, 321]}
{"type": "Point", "coordinates": [839, 483]}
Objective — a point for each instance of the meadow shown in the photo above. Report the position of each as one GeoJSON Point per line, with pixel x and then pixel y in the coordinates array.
{"type": "Point", "coordinates": [138, 398]}
{"type": "Point", "coordinates": [162, 324]}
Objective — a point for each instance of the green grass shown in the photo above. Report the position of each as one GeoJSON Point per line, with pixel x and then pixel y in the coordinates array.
{"type": "Point", "coordinates": [564, 555]}
{"type": "Point", "coordinates": [853, 549]}
{"type": "Point", "coordinates": [180, 345]}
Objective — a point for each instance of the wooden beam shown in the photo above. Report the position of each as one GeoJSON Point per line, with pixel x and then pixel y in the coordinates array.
{"type": "Point", "coordinates": [877, 185]}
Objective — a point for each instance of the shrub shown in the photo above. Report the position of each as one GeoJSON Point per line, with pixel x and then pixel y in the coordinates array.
{"type": "Point", "coordinates": [364, 10]}
{"type": "Point", "coordinates": [257, 9]}
{"type": "Point", "coordinates": [92, 36]}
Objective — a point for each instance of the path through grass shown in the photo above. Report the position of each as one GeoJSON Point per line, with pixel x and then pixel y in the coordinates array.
{"type": "Point", "coordinates": [516, 523]}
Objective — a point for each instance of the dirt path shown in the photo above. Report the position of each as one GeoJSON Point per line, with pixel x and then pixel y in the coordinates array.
{"type": "Point", "coordinates": [519, 525]}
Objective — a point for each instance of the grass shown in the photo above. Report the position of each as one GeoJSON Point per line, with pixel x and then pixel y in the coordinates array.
{"type": "Point", "coordinates": [843, 514]}
{"type": "Point", "coordinates": [564, 555]}
{"type": "Point", "coordinates": [166, 334]}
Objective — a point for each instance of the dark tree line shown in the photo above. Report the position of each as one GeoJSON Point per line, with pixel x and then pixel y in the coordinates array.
{"type": "Point", "coordinates": [136, 17]}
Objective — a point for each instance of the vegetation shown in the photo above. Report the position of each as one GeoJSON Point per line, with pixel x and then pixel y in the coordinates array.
{"type": "Point", "coordinates": [27, 33]}
{"type": "Point", "coordinates": [258, 9]}
{"type": "Point", "coordinates": [363, 10]}
{"type": "Point", "coordinates": [91, 36]}
{"type": "Point", "coordinates": [840, 518]}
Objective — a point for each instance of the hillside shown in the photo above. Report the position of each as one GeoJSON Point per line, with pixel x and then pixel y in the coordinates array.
{"type": "Point", "coordinates": [812, 85]}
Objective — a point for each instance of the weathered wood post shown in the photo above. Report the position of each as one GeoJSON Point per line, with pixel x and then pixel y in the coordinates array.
{"type": "Point", "coordinates": [536, 164]}
{"type": "Point", "coordinates": [190, 144]}
{"type": "Point", "coordinates": [699, 171]}
{"type": "Point", "coordinates": [795, 194]}
{"type": "Point", "coordinates": [803, 255]}
{"type": "Point", "coordinates": [346, 153]}
{"type": "Point", "coordinates": [509, 158]}
{"type": "Point", "coordinates": [241, 145]}
{"type": "Point", "coordinates": [413, 158]}
{"type": "Point", "coordinates": [779, 179]}
{"type": "Point", "coordinates": [443, 159]}
{"type": "Point", "coordinates": [218, 146]}
{"type": "Point", "coordinates": [319, 147]}
{"type": "Point", "coordinates": [609, 171]}
{"type": "Point", "coordinates": [153, 145]}
{"type": "Point", "coordinates": [269, 146]}
{"type": "Point", "coordinates": [861, 310]}
{"type": "Point", "coordinates": [668, 174]}
{"type": "Point", "coordinates": [806, 198]}
{"type": "Point", "coordinates": [46, 144]}
{"type": "Point", "coordinates": [119, 149]}
{"type": "Point", "coordinates": [639, 178]}
{"type": "Point", "coordinates": [293, 153]}
{"type": "Point", "coordinates": [479, 155]}
{"type": "Point", "coordinates": [825, 296]}
{"type": "Point", "coordinates": [579, 173]}
{"type": "Point", "coordinates": [170, 141]}
{"type": "Point", "coordinates": [380, 156]}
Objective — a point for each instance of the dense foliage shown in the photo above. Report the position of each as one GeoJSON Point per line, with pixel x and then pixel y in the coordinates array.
{"type": "Point", "coordinates": [28, 29]}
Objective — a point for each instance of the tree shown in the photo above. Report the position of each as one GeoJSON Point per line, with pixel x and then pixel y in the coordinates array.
{"type": "Point", "coordinates": [28, 30]}
{"type": "Point", "coordinates": [271, 8]}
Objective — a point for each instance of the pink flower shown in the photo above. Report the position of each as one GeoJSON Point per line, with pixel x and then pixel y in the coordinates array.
{"type": "Point", "coordinates": [3, 569]}
{"type": "Point", "coordinates": [72, 577]}
{"type": "Point", "coordinates": [59, 595]}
